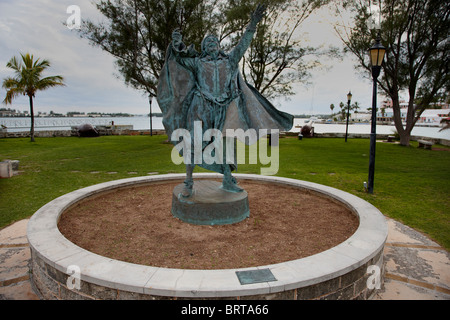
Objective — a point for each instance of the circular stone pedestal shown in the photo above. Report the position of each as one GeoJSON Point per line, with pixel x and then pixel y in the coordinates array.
{"type": "Point", "coordinates": [210, 204]}
{"type": "Point", "coordinates": [62, 270]}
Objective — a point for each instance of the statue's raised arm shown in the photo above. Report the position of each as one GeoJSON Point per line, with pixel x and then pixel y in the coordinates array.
{"type": "Point", "coordinates": [177, 40]}
{"type": "Point", "coordinates": [183, 54]}
{"type": "Point", "coordinates": [238, 52]}
{"type": "Point", "coordinates": [178, 45]}
{"type": "Point", "coordinates": [258, 14]}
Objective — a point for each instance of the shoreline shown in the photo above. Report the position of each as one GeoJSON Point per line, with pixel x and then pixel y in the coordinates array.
{"type": "Point", "coordinates": [65, 127]}
{"type": "Point", "coordinates": [128, 132]}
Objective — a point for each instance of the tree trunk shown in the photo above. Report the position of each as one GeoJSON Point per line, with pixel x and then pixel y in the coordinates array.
{"type": "Point", "coordinates": [32, 118]}
{"type": "Point", "coordinates": [410, 119]}
{"type": "Point", "coordinates": [404, 138]}
{"type": "Point", "coordinates": [403, 132]}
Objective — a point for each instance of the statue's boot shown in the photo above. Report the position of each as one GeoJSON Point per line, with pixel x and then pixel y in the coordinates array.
{"type": "Point", "coordinates": [229, 183]}
{"type": "Point", "coordinates": [186, 192]}
{"type": "Point", "coordinates": [188, 183]}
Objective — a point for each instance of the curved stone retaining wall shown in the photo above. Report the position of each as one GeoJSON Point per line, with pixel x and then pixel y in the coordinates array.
{"type": "Point", "coordinates": [62, 270]}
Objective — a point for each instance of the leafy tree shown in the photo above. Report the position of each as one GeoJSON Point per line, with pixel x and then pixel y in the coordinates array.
{"type": "Point", "coordinates": [277, 58]}
{"type": "Point", "coordinates": [417, 61]}
{"type": "Point", "coordinates": [343, 110]}
{"type": "Point", "coordinates": [27, 80]}
{"type": "Point", "coordinates": [355, 106]}
{"type": "Point", "coordinates": [138, 32]}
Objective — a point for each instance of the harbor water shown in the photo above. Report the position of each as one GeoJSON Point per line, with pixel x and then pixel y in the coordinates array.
{"type": "Point", "coordinates": [143, 123]}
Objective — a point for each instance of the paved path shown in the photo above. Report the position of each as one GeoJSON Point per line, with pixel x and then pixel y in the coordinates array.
{"type": "Point", "coordinates": [416, 267]}
{"type": "Point", "coordinates": [14, 263]}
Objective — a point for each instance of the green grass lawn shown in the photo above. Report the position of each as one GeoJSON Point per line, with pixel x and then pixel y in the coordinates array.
{"type": "Point", "coordinates": [411, 184]}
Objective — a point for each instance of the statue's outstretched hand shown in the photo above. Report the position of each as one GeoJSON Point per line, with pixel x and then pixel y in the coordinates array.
{"type": "Point", "coordinates": [176, 38]}
{"type": "Point", "coordinates": [258, 14]}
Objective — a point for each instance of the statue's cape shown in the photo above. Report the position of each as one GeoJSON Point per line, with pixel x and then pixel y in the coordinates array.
{"type": "Point", "coordinates": [250, 111]}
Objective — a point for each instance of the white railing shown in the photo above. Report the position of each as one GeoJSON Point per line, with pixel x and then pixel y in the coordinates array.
{"type": "Point", "coordinates": [23, 123]}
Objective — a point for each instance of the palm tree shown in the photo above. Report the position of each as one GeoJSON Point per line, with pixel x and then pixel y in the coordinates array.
{"type": "Point", "coordinates": [27, 81]}
{"type": "Point", "coordinates": [355, 106]}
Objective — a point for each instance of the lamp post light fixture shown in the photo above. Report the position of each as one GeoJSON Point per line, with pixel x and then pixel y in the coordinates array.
{"type": "Point", "coordinates": [349, 99]}
{"type": "Point", "coordinates": [377, 52]}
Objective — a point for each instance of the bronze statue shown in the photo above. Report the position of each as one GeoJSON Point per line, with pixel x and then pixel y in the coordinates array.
{"type": "Point", "coordinates": [209, 87]}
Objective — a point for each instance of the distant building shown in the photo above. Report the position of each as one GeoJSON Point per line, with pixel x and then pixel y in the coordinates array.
{"type": "Point", "coordinates": [434, 116]}
{"type": "Point", "coordinates": [388, 104]}
{"type": "Point", "coordinates": [429, 116]}
{"type": "Point", "coordinates": [7, 113]}
{"type": "Point", "coordinates": [360, 116]}
{"type": "Point", "coordinates": [387, 114]}
{"type": "Point", "coordinates": [441, 105]}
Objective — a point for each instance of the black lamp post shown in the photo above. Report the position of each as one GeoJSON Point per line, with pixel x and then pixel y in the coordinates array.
{"type": "Point", "coordinates": [377, 52]}
{"type": "Point", "coordinates": [349, 98]}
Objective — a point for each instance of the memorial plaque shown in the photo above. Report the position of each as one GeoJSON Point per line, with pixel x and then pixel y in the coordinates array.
{"type": "Point", "coordinates": [255, 276]}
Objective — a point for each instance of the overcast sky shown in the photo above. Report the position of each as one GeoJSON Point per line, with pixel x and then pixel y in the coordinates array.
{"type": "Point", "coordinates": [37, 27]}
